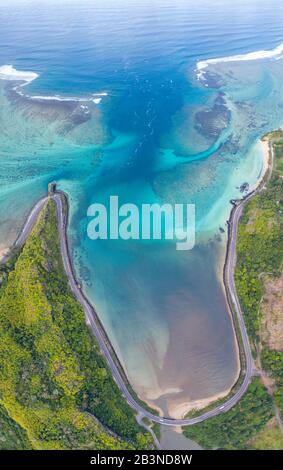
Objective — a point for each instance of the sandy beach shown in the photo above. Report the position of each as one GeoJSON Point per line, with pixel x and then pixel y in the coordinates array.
{"type": "Point", "coordinates": [4, 250]}
{"type": "Point", "coordinates": [179, 411]}
{"type": "Point", "coordinates": [266, 157]}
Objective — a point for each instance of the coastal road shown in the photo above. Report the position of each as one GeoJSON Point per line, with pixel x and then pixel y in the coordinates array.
{"type": "Point", "coordinates": [97, 330]}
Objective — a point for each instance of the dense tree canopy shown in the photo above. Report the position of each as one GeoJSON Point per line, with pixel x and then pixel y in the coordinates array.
{"type": "Point", "coordinates": [52, 374]}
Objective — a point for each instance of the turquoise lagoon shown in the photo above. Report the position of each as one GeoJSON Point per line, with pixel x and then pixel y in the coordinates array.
{"type": "Point", "coordinates": [123, 103]}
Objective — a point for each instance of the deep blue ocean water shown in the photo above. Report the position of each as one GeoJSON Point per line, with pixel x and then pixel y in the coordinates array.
{"type": "Point", "coordinates": [159, 135]}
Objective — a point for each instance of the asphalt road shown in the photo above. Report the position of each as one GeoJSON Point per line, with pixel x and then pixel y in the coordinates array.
{"type": "Point", "coordinates": [96, 328]}
{"type": "Point", "coordinates": [91, 317]}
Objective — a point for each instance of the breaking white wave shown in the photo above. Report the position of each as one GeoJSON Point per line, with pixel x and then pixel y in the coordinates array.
{"type": "Point", "coordinates": [64, 98]}
{"type": "Point", "coordinates": [8, 72]}
{"type": "Point", "coordinates": [275, 53]}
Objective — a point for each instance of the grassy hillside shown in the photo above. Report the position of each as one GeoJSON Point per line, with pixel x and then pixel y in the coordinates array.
{"type": "Point", "coordinates": [52, 374]}
{"type": "Point", "coordinates": [270, 438]}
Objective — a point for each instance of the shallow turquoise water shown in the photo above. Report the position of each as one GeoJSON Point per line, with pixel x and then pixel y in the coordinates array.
{"type": "Point", "coordinates": [160, 135]}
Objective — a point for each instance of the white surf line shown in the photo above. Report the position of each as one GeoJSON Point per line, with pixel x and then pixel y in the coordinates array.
{"type": "Point", "coordinates": [96, 98]}
{"type": "Point", "coordinates": [275, 53]}
{"type": "Point", "coordinates": [8, 72]}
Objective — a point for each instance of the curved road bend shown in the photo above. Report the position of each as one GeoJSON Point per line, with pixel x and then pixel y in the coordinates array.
{"type": "Point", "coordinates": [91, 315]}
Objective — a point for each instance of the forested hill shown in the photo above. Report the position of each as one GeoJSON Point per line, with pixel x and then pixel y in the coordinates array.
{"type": "Point", "coordinates": [256, 421]}
{"type": "Point", "coordinates": [53, 377]}
{"type": "Point", "coordinates": [259, 273]}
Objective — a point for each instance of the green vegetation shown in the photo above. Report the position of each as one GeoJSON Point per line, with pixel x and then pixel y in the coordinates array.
{"type": "Point", "coordinates": [52, 374]}
{"type": "Point", "coordinates": [272, 362]}
{"type": "Point", "coordinates": [270, 438]}
{"type": "Point", "coordinates": [157, 430]}
{"type": "Point", "coordinates": [260, 251]}
{"type": "Point", "coordinates": [12, 436]}
{"type": "Point", "coordinates": [232, 430]}
{"type": "Point", "coordinates": [259, 248]}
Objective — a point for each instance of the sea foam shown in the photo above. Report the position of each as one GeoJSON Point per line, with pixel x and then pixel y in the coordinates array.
{"type": "Point", "coordinates": [8, 72]}
{"type": "Point", "coordinates": [275, 53]}
{"type": "Point", "coordinates": [95, 98]}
